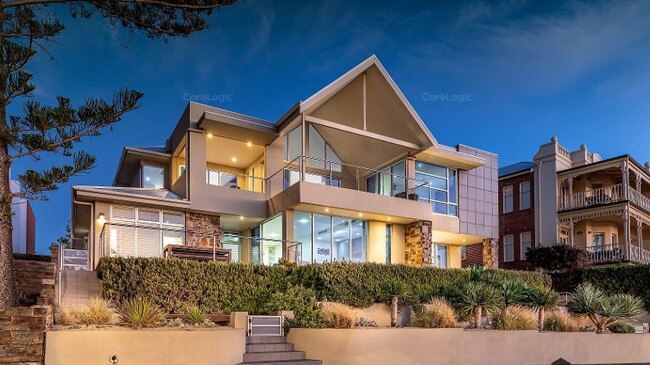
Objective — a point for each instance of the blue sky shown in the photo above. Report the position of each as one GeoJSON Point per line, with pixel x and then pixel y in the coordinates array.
{"type": "Point", "coordinates": [528, 69]}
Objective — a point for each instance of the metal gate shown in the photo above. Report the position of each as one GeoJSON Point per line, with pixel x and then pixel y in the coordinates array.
{"type": "Point", "coordinates": [265, 325]}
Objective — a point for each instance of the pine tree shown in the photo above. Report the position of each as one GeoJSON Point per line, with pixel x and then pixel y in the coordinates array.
{"type": "Point", "coordinates": [28, 27]}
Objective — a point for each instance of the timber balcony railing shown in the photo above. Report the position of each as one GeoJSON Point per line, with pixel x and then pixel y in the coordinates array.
{"type": "Point", "coordinates": [620, 252]}
{"type": "Point", "coordinates": [605, 195]}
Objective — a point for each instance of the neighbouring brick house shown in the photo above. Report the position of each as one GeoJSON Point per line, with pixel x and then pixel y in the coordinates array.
{"type": "Point", "coordinates": [516, 215]}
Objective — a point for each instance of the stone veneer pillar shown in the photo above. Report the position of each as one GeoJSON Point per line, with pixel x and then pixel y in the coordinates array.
{"type": "Point", "coordinates": [418, 246]}
{"type": "Point", "coordinates": [202, 229]}
{"type": "Point", "coordinates": [490, 253]}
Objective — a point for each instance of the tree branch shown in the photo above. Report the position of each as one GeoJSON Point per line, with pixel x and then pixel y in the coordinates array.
{"type": "Point", "coordinates": [179, 5]}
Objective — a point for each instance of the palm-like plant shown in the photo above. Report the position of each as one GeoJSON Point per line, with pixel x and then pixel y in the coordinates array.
{"type": "Point", "coordinates": [477, 298]}
{"type": "Point", "coordinates": [542, 299]}
{"type": "Point", "coordinates": [513, 292]}
{"type": "Point", "coordinates": [603, 309]}
{"type": "Point", "coordinates": [393, 289]}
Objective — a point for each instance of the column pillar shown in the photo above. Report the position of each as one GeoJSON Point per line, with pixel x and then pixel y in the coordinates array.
{"type": "Point", "coordinates": [626, 232]}
{"type": "Point", "coordinates": [639, 237]}
{"type": "Point", "coordinates": [626, 179]}
{"type": "Point", "coordinates": [571, 224]}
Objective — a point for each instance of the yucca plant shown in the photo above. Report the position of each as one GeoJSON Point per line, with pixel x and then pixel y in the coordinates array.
{"type": "Point", "coordinates": [140, 313]}
{"type": "Point", "coordinates": [193, 314]}
{"type": "Point", "coordinates": [513, 292]}
{"type": "Point", "coordinates": [542, 299]}
{"type": "Point", "coordinates": [477, 298]}
{"type": "Point", "coordinates": [393, 289]}
{"type": "Point", "coordinates": [603, 309]}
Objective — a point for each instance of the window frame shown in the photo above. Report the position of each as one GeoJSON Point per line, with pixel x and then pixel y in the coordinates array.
{"type": "Point", "coordinates": [522, 251]}
{"type": "Point", "coordinates": [449, 203]}
{"type": "Point", "coordinates": [524, 193]}
{"type": "Point", "coordinates": [505, 250]}
{"type": "Point", "coordinates": [504, 198]}
{"type": "Point", "coordinates": [144, 165]}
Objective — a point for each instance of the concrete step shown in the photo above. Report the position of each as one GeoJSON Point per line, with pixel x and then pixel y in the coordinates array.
{"type": "Point", "coordinates": [269, 347]}
{"type": "Point", "coordinates": [274, 356]}
{"type": "Point", "coordinates": [266, 339]}
{"type": "Point", "coordinates": [288, 362]}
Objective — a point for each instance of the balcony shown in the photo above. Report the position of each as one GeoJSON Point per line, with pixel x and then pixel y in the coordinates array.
{"type": "Point", "coordinates": [601, 196]}
{"type": "Point", "coordinates": [319, 182]}
{"type": "Point", "coordinates": [235, 180]}
{"type": "Point", "coordinates": [621, 252]}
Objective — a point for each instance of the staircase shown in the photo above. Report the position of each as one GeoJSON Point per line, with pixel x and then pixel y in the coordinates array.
{"type": "Point", "coordinates": [273, 350]}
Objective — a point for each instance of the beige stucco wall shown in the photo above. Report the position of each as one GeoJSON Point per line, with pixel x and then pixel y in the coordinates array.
{"type": "Point", "coordinates": [209, 347]}
{"type": "Point", "coordinates": [388, 346]}
{"type": "Point", "coordinates": [398, 245]}
{"type": "Point", "coordinates": [453, 257]}
{"type": "Point", "coordinates": [377, 242]}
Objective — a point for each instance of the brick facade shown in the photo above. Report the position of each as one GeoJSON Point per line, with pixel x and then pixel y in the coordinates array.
{"type": "Point", "coordinates": [473, 255]}
{"type": "Point", "coordinates": [202, 230]}
{"type": "Point", "coordinates": [516, 222]}
{"type": "Point", "coordinates": [22, 334]}
{"type": "Point", "coordinates": [35, 276]}
{"type": "Point", "coordinates": [418, 246]}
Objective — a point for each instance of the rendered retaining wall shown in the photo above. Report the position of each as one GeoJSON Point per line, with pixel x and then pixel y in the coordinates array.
{"type": "Point", "coordinates": [169, 347]}
{"type": "Point", "coordinates": [388, 346]}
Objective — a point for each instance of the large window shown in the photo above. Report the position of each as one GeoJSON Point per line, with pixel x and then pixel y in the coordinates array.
{"type": "Point", "coordinates": [322, 156]}
{"type": "Point", "coordinates": [255, 245]}
{"type": "Point", "coordinates": [292, 176]}
{"type": "Point", "coordinates": [441, 255]}
{"type": "Point", "coordinates": [293, 144]}
{"type": "Point", "coordinates": [329, 238]}
{"type": "Point", "coordinates": [153, 177]}
{"type": "Point", "coordinates": [272, 241]}
{"type": "Point", "coordinates": [525, 244]}
{"type": "Point", "coordinates": [508, 248]}
{"type": "Point", "coordinates": [508, 199]}
{"type": "Point", "coordinates": [524, 195]}
{"type": "Point", "coordinates": [437, 185]}
{"type": "Point", "coordinates": [143, 232]}
{"type": "Point", "coordinates": [390, 181]}
{"type": "Point", "coordinates": [231, 242]}
{"type": "Point", "coordinates": [389, 241]}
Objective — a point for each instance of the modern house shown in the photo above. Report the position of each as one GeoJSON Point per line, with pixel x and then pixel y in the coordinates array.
{"type": "Point", "coordinates": [350, 174]}
{"type": "Point", "coordinates": [23, 222]}
{"type": "Point", "coordinates": [575, 198]}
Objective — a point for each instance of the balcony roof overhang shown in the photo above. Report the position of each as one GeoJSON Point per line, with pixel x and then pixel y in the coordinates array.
{"type": "Point", "coordinates": [450, 157]}
{"type": "Point", "coordinates": [241, 129]}
{"type": "Point", "coordinates": [131, 160]}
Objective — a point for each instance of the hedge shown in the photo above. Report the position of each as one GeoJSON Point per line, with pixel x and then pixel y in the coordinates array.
{"type": "Point", "coordinates": [174, 283]}
{"type": "Point", "coordinates": [628, 279]}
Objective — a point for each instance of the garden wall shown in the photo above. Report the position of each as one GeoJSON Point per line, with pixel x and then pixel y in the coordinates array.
{"type": "Point", "coordinates": [35, 279]}
{"type": "Point", "coordinates": [388, 346]}
{"type": "Point", "coordinates": [170, 347]}
{"type": "Point", "coordinates": [22, 334]}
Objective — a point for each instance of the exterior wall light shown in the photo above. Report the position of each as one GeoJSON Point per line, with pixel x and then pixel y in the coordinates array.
{"type": "Point", "coordinates": [102, 217]}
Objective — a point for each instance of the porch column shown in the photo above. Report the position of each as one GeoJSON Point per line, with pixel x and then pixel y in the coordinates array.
{"type": "Point", "coordinates": [570, 196]}
{"type": "Point", "coordinates": [639, 237]}
{"type": "Point", "coordinates": [626, 232]}
{"type": "Point", "coordinates": [639, 181]}
{"type": "Point", "coordinates": [626, 179]}
{"type": "Point", "coordinates": [571, 224]}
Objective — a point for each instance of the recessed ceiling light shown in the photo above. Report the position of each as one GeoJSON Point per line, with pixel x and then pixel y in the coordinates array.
{"type": "Point", "coordinates": [241, 217]}
{"type": "Point", "coordinates": [360, 214]}
{"type": "Point", "coordinates": [249, 144]}
{"type": "Point", "coordinates": [234, 159]}
{"type": "Point", "coordinates": [209, 135]}
{"type": "Point", "coordinates": [388, 219]}
{"type": "Point", "coordinates": [327, 209]}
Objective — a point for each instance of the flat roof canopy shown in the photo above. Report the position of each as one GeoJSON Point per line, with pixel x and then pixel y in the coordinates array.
{"type": "Point", "coordinates": [238, 129]}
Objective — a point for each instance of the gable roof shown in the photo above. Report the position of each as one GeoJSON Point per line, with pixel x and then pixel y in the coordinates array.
{"type": "Point", "coordinates": [344, 80]}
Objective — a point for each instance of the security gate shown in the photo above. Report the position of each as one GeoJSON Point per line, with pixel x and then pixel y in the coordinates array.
{"type": "Point", "coordinates": [265, 325]}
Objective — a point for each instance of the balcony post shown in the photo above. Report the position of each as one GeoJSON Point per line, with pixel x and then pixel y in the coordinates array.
{"type": "Point", "coordinates": [626, 179]}
{"type": "Point", "coordinates": [571, 224]}
{"type": "Point", "coordinates": [639, 237]}
{"type": "Point", "coordinates": [571, 203]}
{"type": "Point", "coordinates": [626, 233]}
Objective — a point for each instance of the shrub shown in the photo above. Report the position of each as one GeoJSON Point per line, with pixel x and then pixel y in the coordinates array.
{"type": "Point", "coordinates": [558, 258]}
{"type": "Point", "coordinates": [337, 315]}
{"type": "Point", "coordinates": [620, 327]}
{"type": "Point", "coordinates": [139, 313]}
{"type": "Point", "coordinates": [603, 309]}
{"type": "Point", "coordinates": [171, 283]}
{"type": "Point", "coordinates": [97, 313]}
{"type": "Point", "coordinates": [70, 316]}
{"type": "Point", "coordinates": [515, 318]}
{"type": "Point", "coordinates": [438, 314]}
{"type": "Point", "coordinates": [303, 304]}
{"type": "Point", "coordinates": [193, 314]}
{"type": "Point", "coordinates": [542, 300]}
{"type": "Point", "coordinates": [560, 321]}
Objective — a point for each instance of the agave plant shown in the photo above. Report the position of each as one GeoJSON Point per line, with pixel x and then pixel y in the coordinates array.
{"type": "Point", "coordinates": [542, 299]}
{"type": "Point", "coordinates": [477, 298]}
{"type": "Point", "coordinates": [393, 289]}
{"type": "Point", "coordinates": [139, 313]}
{"type": "Point", "coordinates": [603, 309]}
{"type": "Point", "coordinates": [193, 314]}
{"type": "Point", "coordinates": [513, 292]}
